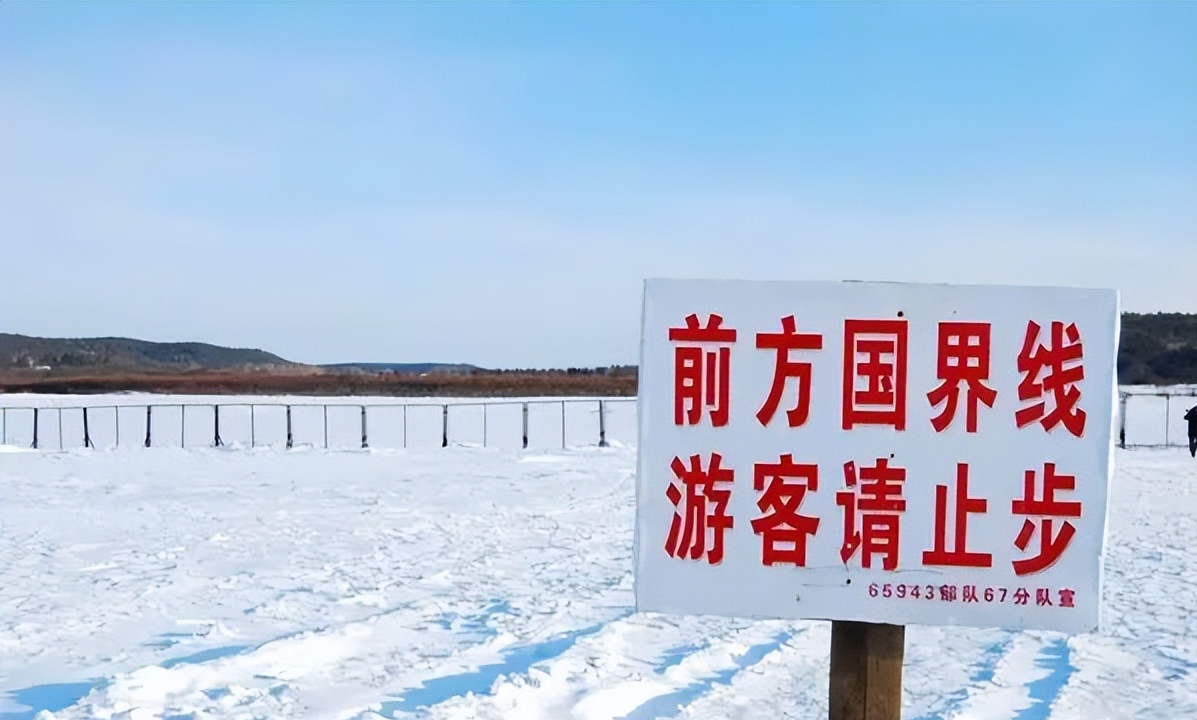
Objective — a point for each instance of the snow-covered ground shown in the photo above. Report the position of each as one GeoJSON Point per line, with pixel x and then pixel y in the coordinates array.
{"type": "Point", "coordinates": [478, 583]}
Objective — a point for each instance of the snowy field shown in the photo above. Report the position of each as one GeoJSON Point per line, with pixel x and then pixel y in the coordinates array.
{"type": "Point", "coordinates": [486, 583]}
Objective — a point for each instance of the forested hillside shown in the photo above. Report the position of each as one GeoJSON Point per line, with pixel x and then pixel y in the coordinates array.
{"type": "Point", "coordinates": [1158, 349]}
{"type": "Point", "coordinates": [124, 354]}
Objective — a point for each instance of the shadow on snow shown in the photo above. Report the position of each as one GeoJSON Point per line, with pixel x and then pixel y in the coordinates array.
{"type": "Point", "coordinates": [515, 660]}
{"type": "Point", "coordinates": [670, 704]}
{"type": "Point", "coordinates": [52, 698]}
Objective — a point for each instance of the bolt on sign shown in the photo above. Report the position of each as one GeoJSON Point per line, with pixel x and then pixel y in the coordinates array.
{"type": "Point", "coordinates": [876, 452]}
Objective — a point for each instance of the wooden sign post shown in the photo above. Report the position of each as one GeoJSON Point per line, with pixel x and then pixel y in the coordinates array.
{"type": "Point", "coordinates": [866, 671]}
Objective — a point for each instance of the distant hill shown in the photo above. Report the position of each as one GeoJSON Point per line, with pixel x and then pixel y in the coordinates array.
{"type": "Point", "coordinates": [410, 368]}
{"type": "Point", "coordinates": [22, 352]}
{"type": "Point", "coordinates": [1155, 349]}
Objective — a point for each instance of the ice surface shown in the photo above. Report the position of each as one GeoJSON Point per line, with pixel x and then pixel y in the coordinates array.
{"type": "Point", "coordinates": [483, 583]}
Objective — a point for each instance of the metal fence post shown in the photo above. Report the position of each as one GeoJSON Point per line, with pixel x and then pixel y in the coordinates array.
{"type": "Point", "coordinates": [148, 411]}
{"type": "Point", "coordinates": [1122, 422]}
{"type": "Point", "coordinates": [325, 427]}
{"type": "Point", "coordinates": [364, 445]}
{"type": "Point", "coordinates": [116, 417]}
{"type": "Point", "coordinates": [444, 426]}
{"type": "Point", "coordinates": [4, 422]}
{"type": "Point", "coordinates": [562, 424]}
{"type": "Point", "coordinates": [60, 430]}
{"type": "Point", "coordinates": [183, 426]}
{"type": "Point", "coordinates": [405, 426]}
{"type": "Point", "coordinates": [216, 442]}
{"type": "Point", "coordinates": [484, 406]}
{"type": "Point", "coordinates": [253, 425]}
{"type": "Point", "coordinates": [602, 424]}
{"type": "Point", "coordinates": [86, 434]}
{"type": "Point", "coordinates": [1167, 420]}
{"type": "Point", "coordinates": [289, 439]}
{"type": "Point", "coordinates": [525, 426]}
{"type": "Point", "coordinates": [35, 428]}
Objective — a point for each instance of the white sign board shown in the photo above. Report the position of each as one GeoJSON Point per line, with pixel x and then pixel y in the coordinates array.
{"type": "Point", "coordinates": [906, 454]}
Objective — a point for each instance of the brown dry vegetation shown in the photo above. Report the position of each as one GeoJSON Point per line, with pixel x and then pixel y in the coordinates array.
{"type": "Point", "coordinates": [506, 384]}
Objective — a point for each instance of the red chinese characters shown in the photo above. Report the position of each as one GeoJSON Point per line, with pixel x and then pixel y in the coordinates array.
{"type": "Point", "coordinates": [702, 370]}
{"type": "Point", "coordinates": [1060, 365]}
{"type": "Point", "coordinates": [959, 556]}
{"type": "Point", "coordinates": [783, 342]}
{"type": "Point", "coordinates": [874, 373]}
{"type": "Point", "coordinates": [700, 509]}
{"type": "Point", "coordinates": [963, 359]}
{"type": "Point", "coordinates": [783, 530]}
{"type": "Point", "coordinates": [1044, 516]}
{"type": "Point", "coordinates": [877, 497]}
{"type": "Point", "coordinates": [1052, 542]}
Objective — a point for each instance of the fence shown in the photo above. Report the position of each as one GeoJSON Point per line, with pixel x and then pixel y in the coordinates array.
{"type": "Point", "coordinates": [1151, 418]}
{"type": "Point", "coordinates": [1145, 419]}
{"type": "Point", "coordinates": [499, 423]}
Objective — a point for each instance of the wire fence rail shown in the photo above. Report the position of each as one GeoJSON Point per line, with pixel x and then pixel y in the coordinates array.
{"type": "Point", "coordinates": [195, 424]}
{"type": "Point", "coordinates": [1145, 419]}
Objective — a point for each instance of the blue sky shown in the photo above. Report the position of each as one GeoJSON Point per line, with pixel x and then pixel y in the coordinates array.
{"type": "Point", "coordinates": [490, 183]}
